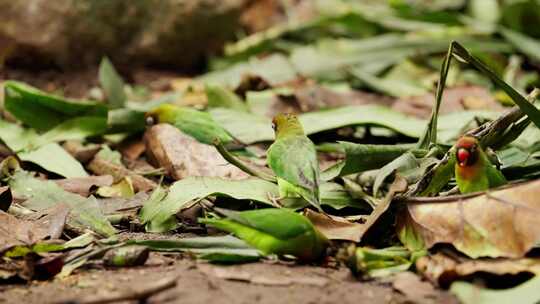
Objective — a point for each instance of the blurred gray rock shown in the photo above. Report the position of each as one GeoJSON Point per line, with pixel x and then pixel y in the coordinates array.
{"type": "Point", "coordinates": [74, 33]}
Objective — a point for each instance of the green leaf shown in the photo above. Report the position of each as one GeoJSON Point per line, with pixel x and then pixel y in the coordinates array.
{"type": "Point", "coordinates": [78, 128]}
{"type": "Point", "coordinates": [112, 84]}
{"type": "Point", "coordinates": [220, 249]}
{"type": "Point", "coordinates": [43, 111]}
{"type": "Point", "coordinates": [40, 195]}
{"type": "Point", "coordinates": [219, 97]}
{"type": "Point", "coordinates": [526, 293]}
{"type": "Point", "coordinates": [274, 68]}
{"type": "Point", "coordinates": [360, 157]}
{"type": "Point", "coordinates": [159, 215]}
{"type": "Point", "coordinates": [53, 158]}
{"type": "Point", "coordinates": [247, 128]}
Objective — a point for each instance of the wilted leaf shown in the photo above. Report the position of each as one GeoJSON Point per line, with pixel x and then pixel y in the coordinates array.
{"type": "Point", "coordinates": [183, 156]}
{"type": "Point", "coordinates": [83, 185]}
{"type": "Point", "coordinates": [52, 157]}
{"type": "Point", "coordinates": [159, 217]}
{"type": "Point", "coordinates": [17, 232]}
{"type": "Point", "coordinates": [495, 224]}
{"type": "Point", "coordinates": [100, 166]}
{"type": "Point", "coordinates": [443, 269]}
{"type": "Point", "coordinates": [40, 195]}
{"type": "Point", "coordinates": [112, 84]}
{"type": "Point", "coordinates": [526, 293]}
{"type": "Point", "coordinates": [124, 189]}
{"type": "Point", "coordinates": [334, 227]}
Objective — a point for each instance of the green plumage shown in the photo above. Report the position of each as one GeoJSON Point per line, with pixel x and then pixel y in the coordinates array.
{"type": "Point", "coordinates": [478, 174]}
{"type": "Point", "coordinates": [274, 231]}
{"type": "Point", "coordinates": [197, 124]}
{"type": "Point", "coordinates": [293, 159]}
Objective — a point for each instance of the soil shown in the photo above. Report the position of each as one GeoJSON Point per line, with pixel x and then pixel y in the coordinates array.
{"type": "Point", "coordinates": [200, 282]}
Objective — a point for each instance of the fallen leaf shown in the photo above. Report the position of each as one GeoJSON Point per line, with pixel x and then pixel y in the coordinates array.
{"type": "Point", "coordinates": [159, 215]}
{"type": "Point", "coordinates": [414, 289]}
{"type": "Point", "coordinates": [133, 150]}
{"type": "Point", "coordinates": [101, 166]}
{"type": "Point", "coordinates": [84, 185]}
{"type": "Point", "coordinates": [40, 195]}
{"type": "Point", "coordinates": [183, 156]}
{"type": "Point", "coordinates": [124, 188]}
{"type": "Point", "coordinates": [334, 227]}
{"type": "Point", "coordinates": [442, 269]}
{"type": "Point", "coordinates": [17, 232]}
{"type": "Point", "coordinates": [52, 157]}
{"type": "Point", "coordinates": [499, 223]}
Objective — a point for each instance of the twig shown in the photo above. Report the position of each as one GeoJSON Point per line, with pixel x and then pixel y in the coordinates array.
{"type": "Point", "coordinates": [139, 294]}
{"type": "Point", "coordinates": [241, 165]}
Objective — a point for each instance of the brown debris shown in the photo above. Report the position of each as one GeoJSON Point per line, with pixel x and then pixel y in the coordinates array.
{"type": "Point", "coordinates": [84, 185]}
{"type": "Point", "coordinates": [183, 156]}
{"type": "Point", "coordinates": [118, 172]}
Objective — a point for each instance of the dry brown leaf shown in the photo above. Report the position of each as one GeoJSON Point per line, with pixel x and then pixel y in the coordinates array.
{"type": "Point", "coordinates": [335, 227]}
{"type": "Point", "coordinates": [414, 289]}
{"type": "Point", "coordinates": [455, 99]}
{"type": "Point", "coordinates": [502, 223]}
{"type": "Point", "coordinates": [238, 274]}
{"type": "Point", "coordinates": [15, 232]}
{"type": "Point", "coordinates": [442, 269]}
{"type": "Point", "coordinates": [100, 166]}
{"type": "Point", "coordinates": [183, 156]}
{"type": "Point", "coordinates": [133, 150]}
{"type": "Point", "coordinates": [83, 185]}
{"type": "Point", "coordinates": [82, 153]}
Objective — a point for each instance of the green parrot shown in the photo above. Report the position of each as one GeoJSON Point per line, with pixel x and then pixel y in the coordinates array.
{"type": "Point", "coordinates": [474, 171]}
{"type": "Point", "coordinates": [274, 231]}
{"type": "Point", "coordinates": [197, 124]}
{"type": "Point", "coordinates": [293, 159]}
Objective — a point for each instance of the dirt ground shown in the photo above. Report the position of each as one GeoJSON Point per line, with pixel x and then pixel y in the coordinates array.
{"type": "Point", "coordinates": [200, 282]}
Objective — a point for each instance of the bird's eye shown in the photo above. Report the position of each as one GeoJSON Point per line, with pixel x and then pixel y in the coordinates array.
{"type": "Point", "coordinates": [274, 126]}
{"type": "Point", "coordinates": [150, 120]}
{"type": "Point", "coordinates": [463, 155]}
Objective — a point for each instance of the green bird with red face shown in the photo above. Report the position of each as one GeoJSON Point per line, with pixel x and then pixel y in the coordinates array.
{"type": "Point", "coordinates": [474, 171]}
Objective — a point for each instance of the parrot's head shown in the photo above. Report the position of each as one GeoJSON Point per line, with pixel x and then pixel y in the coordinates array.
{"type": "Point", "coordinates": [467, 149]}
{"type": "Point", "coordinates": [161, 113]}
{"type": "Point", "coordinates": [287, 125]}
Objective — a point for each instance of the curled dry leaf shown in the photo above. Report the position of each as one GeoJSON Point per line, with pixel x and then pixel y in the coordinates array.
{"type": "Point", "coordinates": [335, 227]}
{"type": "Point", "coordinates": [443, 269]}
{"type": "Point", "coordinates": [183, 156]}
{"type": "Point", "coordinates": [6, 198]}
{"type": "Point", "coordinates": [84, 185]}
{"type": "Point", "coordinates": [501, 223]}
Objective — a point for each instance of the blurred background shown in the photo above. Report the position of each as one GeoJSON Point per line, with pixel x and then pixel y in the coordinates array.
{"type": "Point", "coordinates": [392, 48]}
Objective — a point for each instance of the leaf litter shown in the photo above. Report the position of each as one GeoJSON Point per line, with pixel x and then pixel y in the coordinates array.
{"type": "Point", "coordinates": [381, 103]}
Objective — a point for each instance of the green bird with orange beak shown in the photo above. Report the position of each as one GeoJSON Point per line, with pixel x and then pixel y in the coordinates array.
{"type": "Point", "coordinates": [474, 171]}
